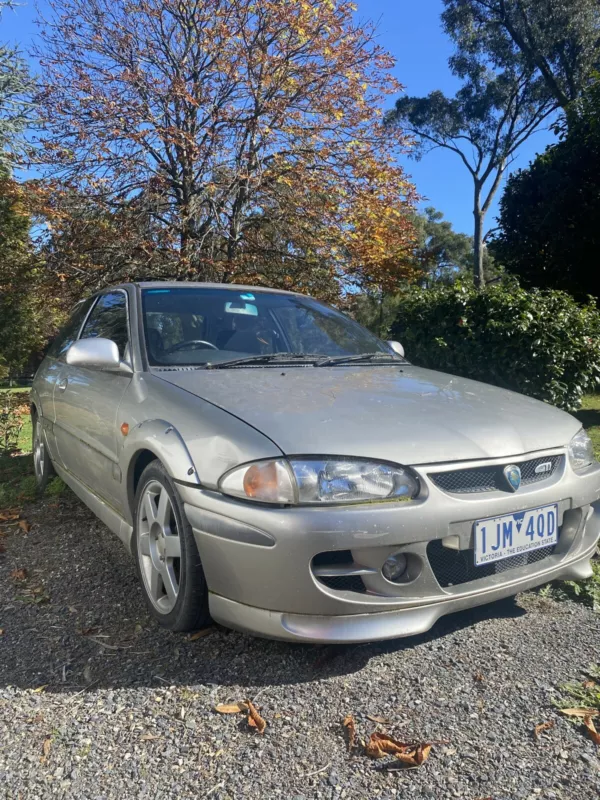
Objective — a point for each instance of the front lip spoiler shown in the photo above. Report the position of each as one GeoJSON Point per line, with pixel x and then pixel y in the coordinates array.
{"type": "Point", "coordinates": [378, 626]}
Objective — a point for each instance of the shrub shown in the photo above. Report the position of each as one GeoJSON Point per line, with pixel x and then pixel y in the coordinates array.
{"type": "Point", "coordinates": [540, 343]}
{"type": "Point", "coordinates": [13, 413]}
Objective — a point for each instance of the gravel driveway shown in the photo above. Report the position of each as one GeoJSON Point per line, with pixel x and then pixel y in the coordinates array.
{"type": "Point", "coordinates": [127, 709]}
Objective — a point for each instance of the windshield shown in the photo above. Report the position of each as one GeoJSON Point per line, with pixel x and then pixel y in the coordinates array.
{"type": "Point", "coordinates": [194, 326]}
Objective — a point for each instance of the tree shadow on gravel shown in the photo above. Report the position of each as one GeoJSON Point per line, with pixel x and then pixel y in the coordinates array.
{"type": "Point", "coordinates": [77, 621]}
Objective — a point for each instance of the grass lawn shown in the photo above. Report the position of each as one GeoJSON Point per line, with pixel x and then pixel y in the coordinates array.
{"type": "Point", "coordinates": [590, 419]}
{"type": "Point", "coordinates": [24, 444]}
{"type": "Point", "coordinates": [17, 482]}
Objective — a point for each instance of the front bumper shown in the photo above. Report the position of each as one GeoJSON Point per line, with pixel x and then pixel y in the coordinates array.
{"type": "Point", "coordinates": [259, 561]}
{"type": "Point", "coordinates": [376, 626]}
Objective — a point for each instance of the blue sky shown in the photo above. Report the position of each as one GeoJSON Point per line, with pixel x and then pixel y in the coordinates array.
{"type": "Point", "coordinates": [411, 31]}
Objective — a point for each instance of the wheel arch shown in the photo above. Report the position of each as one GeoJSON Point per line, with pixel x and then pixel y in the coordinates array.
{"type": "Point", "coordinates": [34, 404]}
{"type": "Point", "coordinates": [156, 440]}
{"type": "Point", "coordinates": [139, 462]}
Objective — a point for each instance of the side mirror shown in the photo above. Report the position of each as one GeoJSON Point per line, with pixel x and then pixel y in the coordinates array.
{"type": "Point", "coordinates": [397, 348]}
{"type": "Point", "coordinates": [96, 353]}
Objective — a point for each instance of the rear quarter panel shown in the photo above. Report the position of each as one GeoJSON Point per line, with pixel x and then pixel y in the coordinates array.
{"type": "Point", "coordinates": [42, 398]}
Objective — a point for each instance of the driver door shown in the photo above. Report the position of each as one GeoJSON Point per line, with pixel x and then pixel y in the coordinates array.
{"type": "Point", "coordinates": [86, 402]}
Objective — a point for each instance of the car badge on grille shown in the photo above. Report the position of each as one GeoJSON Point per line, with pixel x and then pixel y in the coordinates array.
{"type": "Point", "coordinates": [512, 473]}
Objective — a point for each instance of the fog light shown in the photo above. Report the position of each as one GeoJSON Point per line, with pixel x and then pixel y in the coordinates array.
{"type": "Point", "coordinates": [394, 567]}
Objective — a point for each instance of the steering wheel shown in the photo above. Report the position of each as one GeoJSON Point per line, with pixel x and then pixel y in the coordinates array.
{"type": "Point", "coordinates": [192, 344]}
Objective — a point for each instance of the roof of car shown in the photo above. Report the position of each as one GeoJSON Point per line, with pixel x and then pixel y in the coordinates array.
{"type": "Point", "coordinates": [199, 285]}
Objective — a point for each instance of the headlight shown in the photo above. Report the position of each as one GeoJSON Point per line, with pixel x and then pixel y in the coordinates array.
{"type": "Point", "coordinates": [581, 451]}
{"type": "Point", "coordinates": [320, 480]}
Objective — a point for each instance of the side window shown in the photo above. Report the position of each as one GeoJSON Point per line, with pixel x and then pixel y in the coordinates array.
{"type": "Point", "coordinates": [68, 333]}
{"type": "Point", "coordinates": [109, 320]}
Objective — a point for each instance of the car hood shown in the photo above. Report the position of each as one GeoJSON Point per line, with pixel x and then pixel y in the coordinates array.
{"type": "Point", "coordinates": [403, 414]}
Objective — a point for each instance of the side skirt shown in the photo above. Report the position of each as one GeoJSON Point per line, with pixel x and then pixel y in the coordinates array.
{"type": "Point", "coordinates": [106, 513]}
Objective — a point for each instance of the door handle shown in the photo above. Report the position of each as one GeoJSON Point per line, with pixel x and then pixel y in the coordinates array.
{"type": "Point", "coordinates": [61, 384]}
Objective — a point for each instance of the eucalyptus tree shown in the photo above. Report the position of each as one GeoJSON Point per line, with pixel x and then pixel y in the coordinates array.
{"type": "Point", "coordinates": [484, 125]}
{"type": "Point", "coordinates": [560, 39]}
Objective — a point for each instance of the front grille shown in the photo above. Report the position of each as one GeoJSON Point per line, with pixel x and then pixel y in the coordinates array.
{"type": "Point", "coordinates": [455, 567]}
{"type": "Point", "coordinates": [491, 479]}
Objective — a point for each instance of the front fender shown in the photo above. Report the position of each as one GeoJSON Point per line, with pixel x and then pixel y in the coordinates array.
{"type": "Point", "coordinates": [164, 440]}
{"type": "Point", "coordinates": [196, 441]}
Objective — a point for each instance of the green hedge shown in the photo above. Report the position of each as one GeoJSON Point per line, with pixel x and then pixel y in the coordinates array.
{"type": "Point", "coordinates": [540, 343]}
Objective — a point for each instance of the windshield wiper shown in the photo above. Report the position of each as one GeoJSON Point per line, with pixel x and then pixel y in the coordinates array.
{"type": "Point", "coordinates": [335, 361]}
{"type": "Point", "coordinates": [267, 358]}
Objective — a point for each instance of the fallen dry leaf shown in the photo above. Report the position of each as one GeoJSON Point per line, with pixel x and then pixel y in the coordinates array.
{"type": "Point", "coordinates": [591, 729]}
{"type": "Point", "coordinates": [412, 755]}
{"type": "Point", "coordinates": [200, 634]}
{"type": "Point", "coordinates": [580, 712]}
{"type": "Point", "coordinates": [87, 631]}
{"type": "Point", "coordinates": [420, 755]}
{"type": "Point", "coordinates": [19, 574]}
{"type": "Point", "coordinates": [478, 677]}
{"type": "Point", "coordinates": [40, 688]}
{"type": "Point", "coordinates": [588, 684]}
{"type": "Point", "coordinates": [1, 631]}
{"type": "Point", "coordinates": [380, 744]}
{"type": "Point", "coordinates": [543, 726]}
{"type": "Point", "coordinates": [254, 718]}
{"type": "Point", "coordinates": [9, 515]}
{"type": "Point", "coordinates": [350, 726]}
{"type": "Point", "coordinates": [149, 737]}
{"type": "Point", "coordinates": [231, 708]}
{"type": "Point", "coordinates": [46, 747]}
{"type": "Point", "coordinates": [24, 525]}
{"type": "Point", "coordinates": [379, 720]}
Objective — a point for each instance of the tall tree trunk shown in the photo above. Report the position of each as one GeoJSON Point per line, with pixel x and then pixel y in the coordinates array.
{"type": "Point", "coordinates": [187, 249]}
{"type": "Point", "coordinates": [479, 215]}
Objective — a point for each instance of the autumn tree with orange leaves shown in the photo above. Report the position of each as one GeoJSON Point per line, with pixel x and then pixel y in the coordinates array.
{"type": "Point", "coordinates": [253, 126]}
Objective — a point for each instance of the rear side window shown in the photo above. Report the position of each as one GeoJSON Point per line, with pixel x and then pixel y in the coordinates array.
{"type": "Point", "coordinates": [68, 333]}
{"type": "Point", "coordinates": [109, 320]}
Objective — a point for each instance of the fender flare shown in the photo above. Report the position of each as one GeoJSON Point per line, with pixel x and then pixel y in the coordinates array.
{"type": "Point", "coordinates": [164, 440]}
{"type": "Point", "coordinates": [34, 401]}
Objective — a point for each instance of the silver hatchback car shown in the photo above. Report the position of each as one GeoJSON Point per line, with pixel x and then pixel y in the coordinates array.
{"type": "Point", "coordinates": [273, 465]}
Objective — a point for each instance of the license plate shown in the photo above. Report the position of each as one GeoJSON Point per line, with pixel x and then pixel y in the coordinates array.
{"type": "Point", "coordinates": [515, 534]}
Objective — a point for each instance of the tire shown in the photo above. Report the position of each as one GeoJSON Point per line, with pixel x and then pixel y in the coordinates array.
{"type": "Point", "coordinates": [166, 556]}
{"type": "Point", "coordinates": [42, 466]}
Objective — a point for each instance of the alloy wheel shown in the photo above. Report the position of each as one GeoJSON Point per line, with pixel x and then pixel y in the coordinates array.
{"type": "Point", "coordinates": [159, 547]}
{"type": "Point", "coordinates": [39, 452]}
